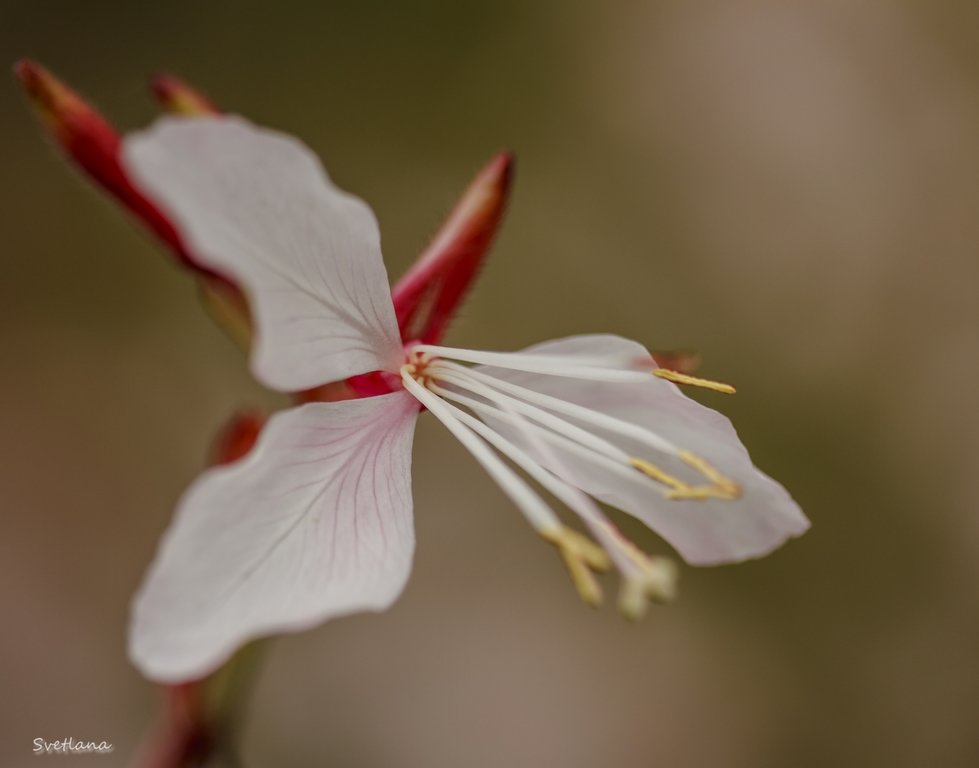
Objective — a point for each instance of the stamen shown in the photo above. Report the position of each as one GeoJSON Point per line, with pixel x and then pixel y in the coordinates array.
{"type": "Point", "coordinates": [694, 381]}
{"type": "Point", "coordinates": [534, 431]}
{"type": "Point", "coordinates": [660, 476]}
{"type": "Point", "coordinates": [611, 368]}
{"type": "Point", "coordinates": [587, 415]}
{"type": "Point", "coordinates": [539, 415]}
{"type": "Point", "coordinates": [720, 487]}
{"type": "Point", "coordinates": [582, 557]}
{"type": "Point", "coordinates": [722, 482]}
{"type": "Point", "coordinates": [644, 578]}
{"type": "Point", "coordinates": [538, 513]}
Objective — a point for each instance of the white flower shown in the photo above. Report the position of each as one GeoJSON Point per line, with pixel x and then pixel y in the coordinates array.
{"type": "Point", "coordinates": [316, 521]}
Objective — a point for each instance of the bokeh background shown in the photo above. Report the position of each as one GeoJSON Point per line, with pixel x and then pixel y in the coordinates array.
{"type": "Point", "coordinates": [790, 188]}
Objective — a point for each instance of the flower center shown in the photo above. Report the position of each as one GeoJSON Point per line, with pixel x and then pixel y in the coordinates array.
{"type": "Point", "coordinates": [417, 364]}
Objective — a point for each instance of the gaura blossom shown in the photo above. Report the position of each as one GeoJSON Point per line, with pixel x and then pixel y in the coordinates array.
{"type": "Point", "coordinates": [316, 520]}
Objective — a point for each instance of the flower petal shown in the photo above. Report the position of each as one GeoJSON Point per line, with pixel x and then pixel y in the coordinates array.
{"type": "Point", "coordinates": [704, 531]}
{"type": "Point", "coordinates": [314, 522]}
{"type": "Point", "coordinates": [257, 206]}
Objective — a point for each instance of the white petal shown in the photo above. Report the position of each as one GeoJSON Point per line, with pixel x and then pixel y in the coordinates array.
{"type": "Point", "coordinates": [703, 532]}
{"type": "Point", "coordinates": [314, 523]}
{"type": "Point", "coordinates": [257, 206]}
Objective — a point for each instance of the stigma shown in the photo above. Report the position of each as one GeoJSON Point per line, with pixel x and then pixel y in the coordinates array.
{"type": "Point", "coordinates": [522, 436]}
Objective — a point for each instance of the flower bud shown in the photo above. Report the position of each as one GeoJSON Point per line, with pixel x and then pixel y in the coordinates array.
{"type": "Point", "coordinates": [237, 437]}
{"type": "Point", "coordinates": [448, 267]}
{"type": "Point", "coordinates": [178, 97]}
{"type": "Point", "coordinates": [89, 141]}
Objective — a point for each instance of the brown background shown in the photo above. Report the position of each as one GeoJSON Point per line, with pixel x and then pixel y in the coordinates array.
{"type": "Point", "coordinates": [791, 188]}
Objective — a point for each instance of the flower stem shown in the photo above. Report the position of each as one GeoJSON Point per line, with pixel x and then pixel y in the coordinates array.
{"type": "Point", "coordinates": [203, 718]}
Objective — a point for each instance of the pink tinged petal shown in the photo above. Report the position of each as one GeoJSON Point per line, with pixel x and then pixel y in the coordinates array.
{"type": "Point", "coordinates": [257, 206]}
{"type": "Point", "coordinates": [704, 532]}
{"type": "Point", "coordinates": [315, 522]}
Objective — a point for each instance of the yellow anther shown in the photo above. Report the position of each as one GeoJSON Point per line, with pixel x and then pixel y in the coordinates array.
{"type": "Point", "coordinates": [725, 486]}
{"type": "Point", "coordinates": [705, 492]}
{"type": "Point", "coordinates": [660, 476]}
{"type": "Point", "coordinates": [694, 381]}
{"type": "Point", "coordinates": [719, 487]}
{"type": "Point", "coordinates": [582, 557]}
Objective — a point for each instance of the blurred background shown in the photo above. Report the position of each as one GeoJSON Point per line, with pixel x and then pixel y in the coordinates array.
{"type": "Point", "coordinates": [790, 188]}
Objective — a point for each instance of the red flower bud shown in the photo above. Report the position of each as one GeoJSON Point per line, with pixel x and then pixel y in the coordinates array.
{"type": "Point", "coordinates": [91, 143]}
{"type": "Point", "coordinates": [446, 270]}
{"type": "Point", "coordinates": [237, 437]}
{"type": "Point", "coordinates": [178, 97]}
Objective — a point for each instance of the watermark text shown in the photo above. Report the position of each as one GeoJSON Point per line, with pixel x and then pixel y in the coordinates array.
{"type": "Point", "coordinates": [71, 746]}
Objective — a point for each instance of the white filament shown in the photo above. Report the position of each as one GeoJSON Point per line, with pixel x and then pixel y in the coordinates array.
{"type": "Point", "coordinates": [611, 368]}
{"type": "Point", "coordinates": [587, 415]}
{"type": "Point", "coordinates": [537, 512]}
{"type": "Point", "coordinates": [602, 529]}
{"type": "Point", "coordinates": [533, 412]}
{"type": "Point", "coordinates": [623, 469]}
{"type": "Point", "coordinates": [536, 416]}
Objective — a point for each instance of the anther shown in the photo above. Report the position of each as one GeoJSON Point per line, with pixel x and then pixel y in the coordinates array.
{"type": "Point", "coordinates": [682, 378]}
{"type": "Point", "coordinates": [721, 483]}
{"type": "Point", "coordinates": [582, 557]}
{"type": "Point", "coordinates": [719, 487]}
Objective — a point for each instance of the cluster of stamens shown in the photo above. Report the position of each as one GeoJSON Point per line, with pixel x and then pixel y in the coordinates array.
{"type": "Point", "coordinates": [469, 402]}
